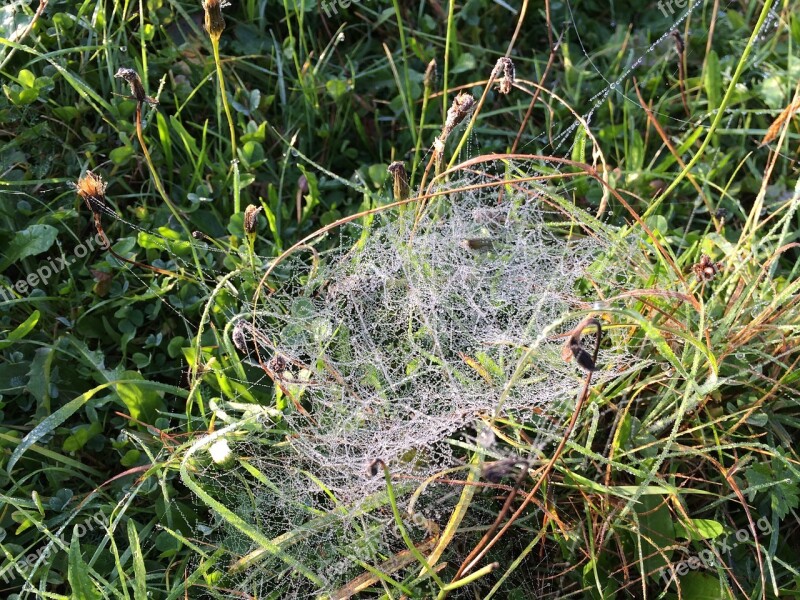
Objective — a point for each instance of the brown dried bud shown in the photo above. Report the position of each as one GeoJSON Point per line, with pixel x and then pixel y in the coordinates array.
{"type": "Point", "coordinates": [574, 349]}
{"type": "Point", "coordinates": [240, 338]}
{"type": "Point", "coordinates": [398, 171]}
{"type": "Point", "coordinates": [506, 67]}
{"type": "Point", "coordinates": [214, 21]}
{"type": "Point", "coordinates": [302, 184]}
{"type": "Point", "coordinates": [461, 107]}
{"type": "Point", "coordinates": [495, 471]}
{"type": "Point", "coordinates": [277, 364]}
{"type": "Point", "coordinates": [374, 467]}
{"type": "Point", "coordinates": [430, 75]}
{"type": "Point", "coordinates": [706, 269]}
{"type": "Point", "coordinates": [137, 89]}
{"type": "Point", "coordinates": [251, 218]}
{"type": "Point", "coordinates": [477, 243]}
{"type": "Point", "coordinates": [92, 189]}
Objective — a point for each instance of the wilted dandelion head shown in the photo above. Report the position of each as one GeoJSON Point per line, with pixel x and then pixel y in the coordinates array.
{"type": "Point", "coordinates": [400, 180]}
{"type": "Point", "coordinates": [505, 67]}
{"type": "Point", "coordinates": [214, 21]}
{"type": "Point", "coordinates": [133, 79]}
{"type": "Point", "coordinates": [430, 74]}
{"type": "Point", "coordinates": [461, 107]}
{"type": "Point", "coordinates": [251, 218]}
{"type": "Point", "coordinates": [92, 189]}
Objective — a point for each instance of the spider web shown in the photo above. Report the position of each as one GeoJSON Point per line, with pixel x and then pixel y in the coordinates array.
{"type": "Point", "coordinates": [404, 342]}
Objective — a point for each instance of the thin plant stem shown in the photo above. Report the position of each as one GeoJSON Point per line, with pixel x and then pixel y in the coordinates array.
{"type": "Point", "coordinates": [426, 94]}
{"type": "Point", "coordinates": [229, 116]}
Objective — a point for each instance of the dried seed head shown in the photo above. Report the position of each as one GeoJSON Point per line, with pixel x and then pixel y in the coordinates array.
{"type": "Point", "coordinates": [582, 357]}
{"type": "Point", "coordinates": [506, 67]}
{"type": "Point", "coordinates": [214, 21]}
{"type": "Point", "coordinates": [374, 467]}
{"type": "Point", "coordinates": [239, 337]}
{"type": "Point", "coordinates": [461, 107]}
{"type": "Point", "coordinates": [706, 269]}
{"type": "Point", "coordinates": [497, 470]}
{"type": "Point", "coordinates": [679, 46]}
{"type": "Point", "coordinates": [398, 171]}
{"type": "Point", "coordinates": [477, 243]}
{"type": "Point", "coordinates": [574, 349]}
{"type": "Point", "coordinates": [277, 364]}
{"type": "Point", "coordinates": [251, 218]}
{"type": "Point", "coordinates": [133, 79]}
{"type": "Point", "coordinates": [430, 75]}
{"type": "Point", "coordinates": [92, 189]}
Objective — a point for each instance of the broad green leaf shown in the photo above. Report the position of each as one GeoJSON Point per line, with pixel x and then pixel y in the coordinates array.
{"type": "Point", "coordinates": [143, 404]}
{"type": "Point", "coordinates": [699, 586]}
{"type": "Point", "coordinates": [121, 155]}
{"type": "Point", "coordinates": [28, 242]}
{"type": "Point", "coordinates": [26, 78]}
{"type": "Point", "coordinates": [699, 529]}
{"type": "Point", "coordinates": [39, 375]}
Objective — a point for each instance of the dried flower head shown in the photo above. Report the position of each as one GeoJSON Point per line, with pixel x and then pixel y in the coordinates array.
{"type": "Point", "coordinates": [375, 466]}
{"type": "Point", "coordinates": [251, 218]}
{"type": "Point", "coordinates": [398, 171]}
{"type": "Point", "coordinates": [461, 107]}
{"type": "Point", "coordinates": [706, 269]}
{"type": "Point", "coordinates": [430, 75]}
{"type": "Point", "coordinates": [574, 349]}
{"type": "Point", "coordinates": [277, 363]}
{"type": "Point", "coordinates": [497, 470]}
{"type": "Point", "coordinates": [477, 243]}
{"type": "Point", "coordinates": [133, 79]}
{"type": "Point", "coordinates": [239, 337]}
{"type": "Point", "coordinates": [92, 189]}
{"type": "Point", "coordinates": [505, 66]}
{"type": "Point", "coordinates": [214, 21]}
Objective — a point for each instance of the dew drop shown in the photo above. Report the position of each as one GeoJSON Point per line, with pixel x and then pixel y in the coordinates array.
{"type": "Point", "coordinates": [123, 48]}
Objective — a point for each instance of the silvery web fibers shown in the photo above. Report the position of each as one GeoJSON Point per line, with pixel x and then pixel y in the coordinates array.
{"type": "Point", "coordinates": [376, 337]}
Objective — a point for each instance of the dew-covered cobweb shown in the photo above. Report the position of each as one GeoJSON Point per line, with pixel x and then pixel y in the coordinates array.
{"type": "Point", "coordinates": [404, 341]}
